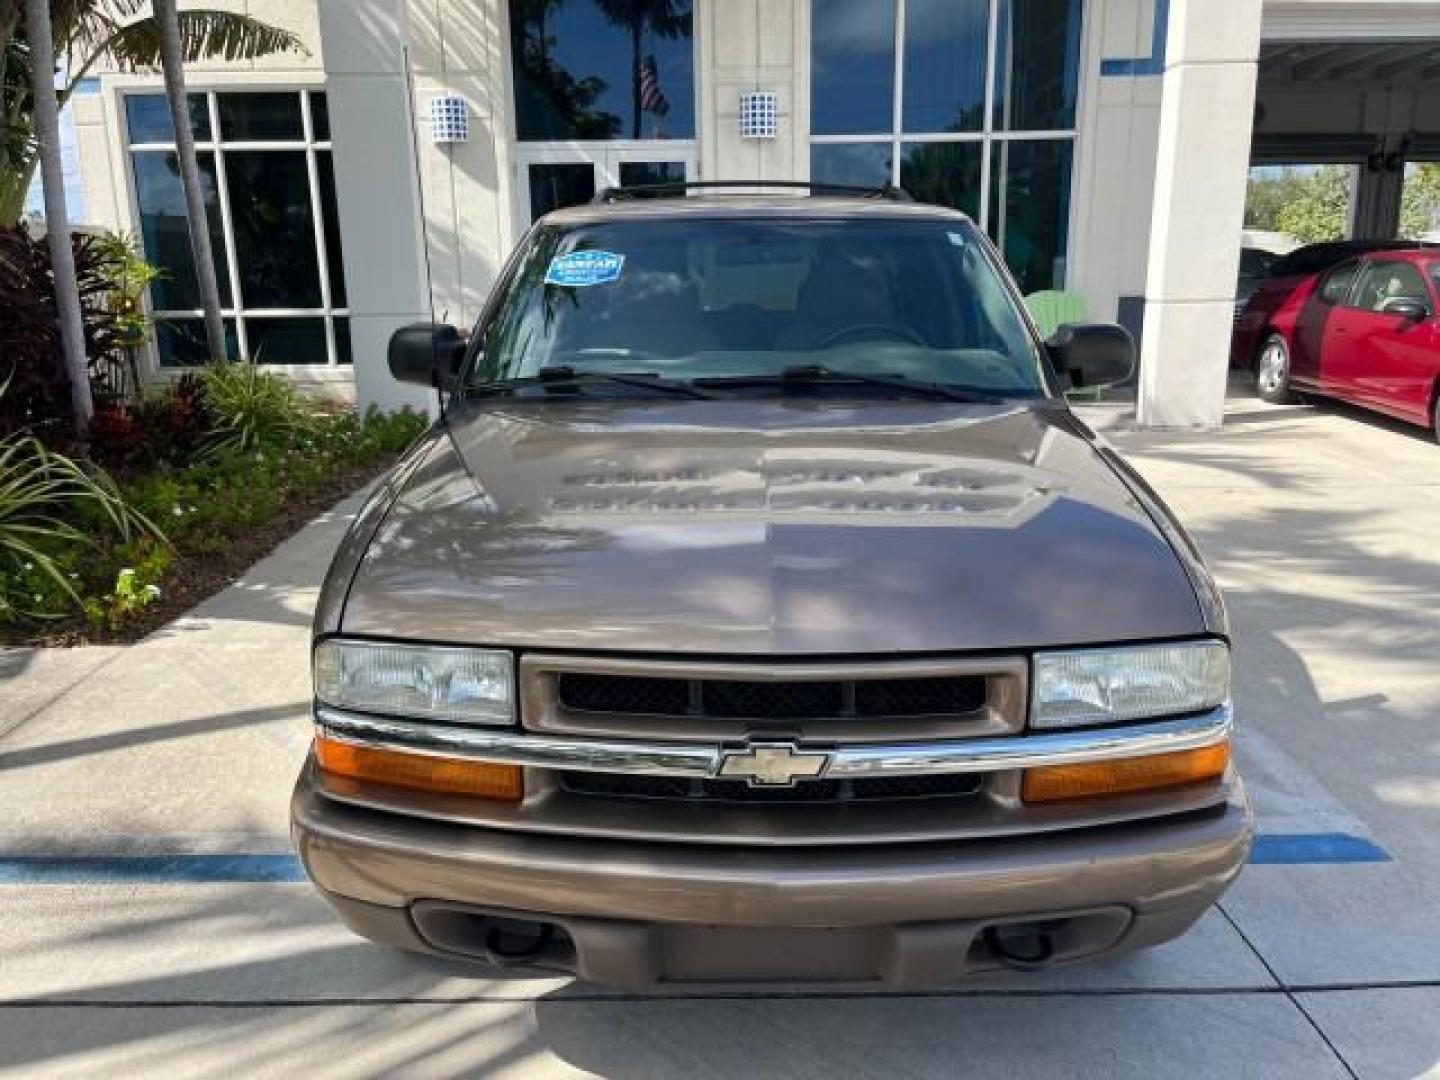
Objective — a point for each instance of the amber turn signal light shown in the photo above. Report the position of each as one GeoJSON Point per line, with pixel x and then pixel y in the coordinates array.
{"type": "Point", "coordinates": [1056, 783]}
{"type": "Point", "coordinates": [420, 772]}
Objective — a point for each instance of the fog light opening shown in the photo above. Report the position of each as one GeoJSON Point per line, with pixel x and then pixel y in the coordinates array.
{"type": "Point", "coordinates": [1022, 946]}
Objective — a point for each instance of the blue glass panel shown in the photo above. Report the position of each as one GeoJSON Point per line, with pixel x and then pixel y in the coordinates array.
{"type": "Point", "coordinates": [945, 43]}
{"type": "Point", "coordinates": [852, 67]}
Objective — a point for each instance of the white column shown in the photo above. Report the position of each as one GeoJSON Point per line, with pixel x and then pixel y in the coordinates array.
{"type": "Point", "coordinates": [761, 46]}
{"type": "Point", "coordinates": [376, 187]}
{"type": "Point", "coordinates": [1206, 116]}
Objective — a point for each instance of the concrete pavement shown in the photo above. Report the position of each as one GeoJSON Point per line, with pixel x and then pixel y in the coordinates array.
{"type": "Point", "coordinates": [1322, 527]}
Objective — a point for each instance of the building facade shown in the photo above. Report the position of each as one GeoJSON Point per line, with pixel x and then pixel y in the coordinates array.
{"type": "Point", "coordinates": [383, 177]}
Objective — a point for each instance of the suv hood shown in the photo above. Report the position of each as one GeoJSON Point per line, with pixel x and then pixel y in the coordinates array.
{"type": "Point", "coordinates": [788, 527]}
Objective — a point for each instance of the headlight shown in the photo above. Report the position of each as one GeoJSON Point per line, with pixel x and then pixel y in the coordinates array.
{"type": "Point", "coordinates": [474, 686]}
{"type": "Point", "coordinates": [1105, 686]}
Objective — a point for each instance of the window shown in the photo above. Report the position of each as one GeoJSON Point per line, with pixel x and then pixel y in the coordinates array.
{"type": "Point", "coordinates": [269, 187]}
{"type": "Point", "coordinates": [589, 70]}
{"type": "Point", "coordinates": [1385, 282]}
{"type": "Point", "coordinates": [969, 103]}
{"type": "Point", "coordinates": [1336, 287]}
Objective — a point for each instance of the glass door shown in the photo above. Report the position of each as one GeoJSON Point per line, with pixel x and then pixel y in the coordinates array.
{"type": "Point", "coordinates": [553, 177]}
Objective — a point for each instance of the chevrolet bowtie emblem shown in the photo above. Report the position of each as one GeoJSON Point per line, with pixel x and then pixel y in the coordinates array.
{"type": "Point", "coordinates": [773, 764]}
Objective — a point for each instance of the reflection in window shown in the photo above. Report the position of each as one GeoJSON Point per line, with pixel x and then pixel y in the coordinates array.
{"type": "Point", "coordinates": [1030, 208]}
{"type": "Point", "coordinates": [182, 343]}
{"type": "Point", "coordinates": [263, 116]}
{"type": "Point", "coordinates": [945, 42]}
{"type": "Point", "coordinates": [147, 118]}
{"type": "Point", "coordinates": [860, 164]}
{"type": "Point", "coordinates": [287, 341]}
{"type": "Point", "coordinates": [284, 294]}
{"type": "Point", "coordinates": [943, 173]}
{"type": "Point", "coordinates": [942, 144]}
{"type": "Point", "coordinates": [270, 212]}
{"type": "Point", "coordinates": [852, 67]}
{"type": "Point", "coordinates": [165, 229]}
{"type": "Point", "coordinates": [601, 69]}
{"type": "Point", "coordinates": [1037, 64]}
{"type": "Point", "coordinates": [640, 173]}
{"type": "Point", "coordinates": [555, 186]}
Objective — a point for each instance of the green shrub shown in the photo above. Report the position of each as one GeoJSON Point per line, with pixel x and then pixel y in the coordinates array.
{"type": "Point", "coordinates": [53, 513]}
{"type": "Point", "coordinates": [249, 408]}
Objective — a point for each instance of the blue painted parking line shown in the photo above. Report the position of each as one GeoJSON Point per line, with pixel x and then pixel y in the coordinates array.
{"type": "Point", "coordinates": [1296, 849]}
{"type": "Point", "coordinates": [1271, 849]}
{"type": "Point", "coordinates": [148, 869]}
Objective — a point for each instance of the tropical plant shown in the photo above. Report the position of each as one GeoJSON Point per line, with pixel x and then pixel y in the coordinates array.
{"type": "Point", "coordinates": [39, 390]}
{"type": "Point", "coordinates": [250, 408]}
{"type": "Point", "coordinates": [86, 31]}
{"type": "Point", "coordinates": [50, 505]}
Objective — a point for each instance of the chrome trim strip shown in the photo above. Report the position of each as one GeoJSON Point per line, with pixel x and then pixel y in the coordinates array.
{"type": "Point", "coordinates": [701, 761]}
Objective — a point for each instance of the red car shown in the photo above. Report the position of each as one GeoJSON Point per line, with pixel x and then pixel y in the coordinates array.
{"type": "Point", "coordinates": [1364, 329]}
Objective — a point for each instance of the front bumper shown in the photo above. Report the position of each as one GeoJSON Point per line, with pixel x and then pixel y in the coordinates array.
{"type": "Point", "coordinates": [635, 913]}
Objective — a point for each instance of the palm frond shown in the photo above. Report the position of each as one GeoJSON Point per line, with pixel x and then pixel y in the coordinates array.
{"type": "Point", "coordinates": [205, 34]}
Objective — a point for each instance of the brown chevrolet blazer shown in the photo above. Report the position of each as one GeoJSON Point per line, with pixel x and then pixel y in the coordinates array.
{"type": "Point", "coordinates": [758, 609]}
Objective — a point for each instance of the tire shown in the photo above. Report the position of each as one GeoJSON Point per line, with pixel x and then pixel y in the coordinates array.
{"type": "Point", "coordinates": [1272, 372]}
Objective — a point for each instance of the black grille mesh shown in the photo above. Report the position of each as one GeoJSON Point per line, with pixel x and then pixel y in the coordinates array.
{"type": "Point", "coordinates": [745, 700]}
{"type": "Point", "coordinates": [679, 788]}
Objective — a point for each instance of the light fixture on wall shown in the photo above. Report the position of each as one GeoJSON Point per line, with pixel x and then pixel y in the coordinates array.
{"type": "Point", "coordinates": [449, 119]}
{"type": "Point", "coordinates": [759, 114]}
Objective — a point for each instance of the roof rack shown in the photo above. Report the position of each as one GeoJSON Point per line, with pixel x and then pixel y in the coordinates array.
{"type": "Point", "coordinates": [679, 188]}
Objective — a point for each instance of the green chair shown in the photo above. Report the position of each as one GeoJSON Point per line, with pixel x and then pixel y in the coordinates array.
{"type": "Point", "coordinates": [1053, 308]}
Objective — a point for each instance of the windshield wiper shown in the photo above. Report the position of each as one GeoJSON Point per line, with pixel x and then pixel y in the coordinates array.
{"type": "Point", "coordinates": [562, 375]}
{"type": "Point", "coordinates": [816, 375]}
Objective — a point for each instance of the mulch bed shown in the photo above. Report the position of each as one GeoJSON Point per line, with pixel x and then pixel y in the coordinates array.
{"type": "Point", "coordinates": [195, 578]}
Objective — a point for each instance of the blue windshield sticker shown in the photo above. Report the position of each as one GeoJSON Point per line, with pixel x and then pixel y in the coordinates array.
{"type": "Point", "coordinates": [581, 268]}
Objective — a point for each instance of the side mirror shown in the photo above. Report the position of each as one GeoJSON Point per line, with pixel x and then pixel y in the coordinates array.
{"type": "Point", "coordinates": [428, 354]}
{"type": "Point", "coordinates": [1406, 309]}
{"type": "Point", "coordinates": [1093, 354]}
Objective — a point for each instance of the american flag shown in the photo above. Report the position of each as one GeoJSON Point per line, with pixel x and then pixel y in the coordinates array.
{"type": "Point", "coordinates": [651, 99]}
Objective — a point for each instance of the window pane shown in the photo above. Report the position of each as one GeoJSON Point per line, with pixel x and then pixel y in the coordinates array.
{"type": "Point", "coordinates": [344, 354]}
{"type": "Point", "coordinates": [1383, 283]}
{"type": "Point", "coordinates": [1037, 63]}
{"type": "Point", "coordinates": [181, 342]}
{"type": "Point", "coordinates": [330, 214]}
{"type": "Point", "coordinates": [945, 43]}
{"type": "Point", "coordinates": [286, 341]}
{"type": "Point", "coordinates": [274, 231]}
{"type": "Point", "coordinates": [944, 173]}
{"type": "Point", "coordinates": [320, 117]}
{"type": "Point", "coordinates": [147, 117]}
{"type": "Point", "coordinates": [555, 186]}
{"type": "Point", "coordinates": [1030, 209]}
{"type": "Point", "coordinates": [593, 70]}
{"type": "Point", "coordinates": [1336, 288]}
{"type": "Point", "coordinates": [852, 66]}
{"type": "Point", "coordinates": [634, 173]}
{"type": "Point", "coordinates": [862, 164]}
{"type": "Point", "coordinates": [260, 116]}
{"type": "Point", "coordinates": [165, 230]}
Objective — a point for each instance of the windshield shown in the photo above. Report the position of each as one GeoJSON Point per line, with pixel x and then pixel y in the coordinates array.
{"type": "Point", "coordinates": [725, 298]}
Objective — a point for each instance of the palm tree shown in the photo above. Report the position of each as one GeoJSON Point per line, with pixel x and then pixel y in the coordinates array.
{"type": "Point", "coordinates": [57, 219]}
{"type": "Point", "coordinates": [667, 18]}
{"type": "Point", "coordinates": [172, 62]}
{"type": "Point", "coordinates": [83, 32]}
